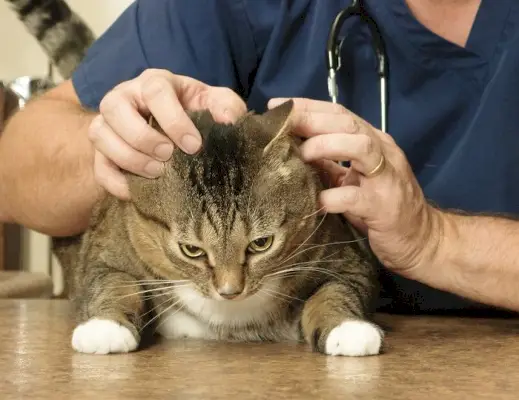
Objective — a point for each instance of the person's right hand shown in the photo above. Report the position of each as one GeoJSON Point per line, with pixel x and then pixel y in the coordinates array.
{"type": "Point", "coordinates": [123, 139]}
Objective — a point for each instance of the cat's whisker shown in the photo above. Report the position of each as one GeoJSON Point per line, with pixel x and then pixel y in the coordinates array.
{"type": "Point", "coordinates": [295, 266]}
{"type": "Point", "coordinates": [155, 295]}
{"type": "Point", "coordinates": [333, 243]}
{"type": "Point", "coordinates": [143, 293]}
{"type": "Point", "coordinates": [149, 291]}
{"type": "Point", "coordinates": [149, 283]}
{"type": "Point", "coordinates": [159, 314]}
{"type": "Point", "coordinates": [182, 305]}
{"type": "Point", "coordinates": [312, 214]}
{"type": "Point", "coordinates": [275, 292]}
{"type": "Point", "coordinates": [306, 240]}
{"type": "Point", "coordinates": [292, 274]}
{"type": "Point", "coordinates": [324, 261]}
{"type": "Point", "coordinates": [310, 269]}
{"type": "Point", "coordinates": [170, 315]}
{"type": "Point", "coordinates": [157, 306]}
{"type": "Point", "coordinates": [290, 257]}
{"type": "Point", "coordinates": [262, 291]}
{"type": "Point", "coordinates": [330, 255]}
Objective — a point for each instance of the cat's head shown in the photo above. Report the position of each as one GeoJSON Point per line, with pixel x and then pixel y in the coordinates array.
{"type": "Point", "coordinates": [231, 214]}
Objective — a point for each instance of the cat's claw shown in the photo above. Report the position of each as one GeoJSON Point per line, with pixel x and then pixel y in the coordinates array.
{"type": "Point", "coordinates": [103, 336]}
{"type": "Point", "coordinates": [354, 338]}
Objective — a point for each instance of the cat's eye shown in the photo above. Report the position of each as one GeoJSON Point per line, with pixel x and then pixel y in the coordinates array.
{"type": "Point", "coordinates": [191, 251]}
{"type": "Point", "coordinates": [261, 244]}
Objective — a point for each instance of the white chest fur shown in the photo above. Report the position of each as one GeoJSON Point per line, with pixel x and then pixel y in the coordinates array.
{"type": "Point", "coordinates": [207, 316]}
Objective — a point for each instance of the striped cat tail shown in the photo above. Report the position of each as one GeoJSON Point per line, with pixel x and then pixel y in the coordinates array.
{"type": "Point", "coordinates": [62, 34]}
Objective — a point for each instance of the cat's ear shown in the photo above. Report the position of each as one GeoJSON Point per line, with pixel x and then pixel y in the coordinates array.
{"type": "Point", "coordinates": [155, 125]}
{"type": "Point", "coordinates": [277, 121]}
{"type": "Point", "coordinates": [203, 121]}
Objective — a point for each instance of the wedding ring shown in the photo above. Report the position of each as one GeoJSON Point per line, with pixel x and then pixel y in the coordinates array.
{"type": "Point", "coordinates": [378, 169]}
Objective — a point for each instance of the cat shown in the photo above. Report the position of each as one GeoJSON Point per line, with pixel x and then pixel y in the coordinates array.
{"type": "Point", "coordinates": [63, 35]}
{"type": "Point", "coordinates": [228, 244]}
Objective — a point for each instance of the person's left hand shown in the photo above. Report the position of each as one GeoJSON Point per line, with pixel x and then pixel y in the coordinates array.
{"type": "Point", "coordinates": [378, 193]}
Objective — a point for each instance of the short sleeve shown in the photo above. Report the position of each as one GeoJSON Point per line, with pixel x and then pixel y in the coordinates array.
{"type": "Point", "coordinates": [209, 40]}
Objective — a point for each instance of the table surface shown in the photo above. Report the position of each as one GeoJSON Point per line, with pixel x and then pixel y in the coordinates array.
{"type": "Point", "coordinates": [425, 357]}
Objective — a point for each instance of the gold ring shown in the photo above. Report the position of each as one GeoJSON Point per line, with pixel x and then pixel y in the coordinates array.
{"type": "Point", "coordinates": [378, 169]}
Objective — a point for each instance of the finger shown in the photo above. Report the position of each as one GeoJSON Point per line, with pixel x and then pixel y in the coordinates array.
{"type": "Point", "coordinates": [330, 172]}
{"type": "Point", "coordinates": [363, 151]}
{"type": "Point", "coordinates": [223, 103]}
{"type": "Point", "coordinates": [357, 223]}
{"type": "Point", "coordinates": [160, 96]}
{"type": "Point", "coordinates": [108, 175]}
{"type": "Point", "coordinates": [122, 117]}
{"type": "Point", "coordinates": [311, 117]}
{"type": "Point", "coordinates": [309, 105]}
{"type": "Point", "coordinates": [315, 123]}
{"type": "Point", "coordinates": [352, 178]}
{"type": "Point", "coordinates": [107, 142]}
{"type": "Point", "coordinates": [346, 199]}
{"type": "Point", "coordinates": [337, 174]}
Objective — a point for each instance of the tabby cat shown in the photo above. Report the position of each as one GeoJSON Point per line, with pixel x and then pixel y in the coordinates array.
{"type": "Point", "coordinates": [229, 245]}
{"type": "Point", "coordinates": [61, 33]}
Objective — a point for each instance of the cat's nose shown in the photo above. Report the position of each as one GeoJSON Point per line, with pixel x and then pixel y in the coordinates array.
{"type": "Point", "coordinates": [229, 292]}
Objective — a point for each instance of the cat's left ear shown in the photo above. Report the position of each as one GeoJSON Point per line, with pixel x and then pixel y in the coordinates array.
{"type": "Point", "coordinates": [277, 122]}
{"type": "Point", "coordinates": [202, 119]}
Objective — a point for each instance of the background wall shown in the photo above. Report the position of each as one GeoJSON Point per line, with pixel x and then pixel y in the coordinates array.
{"type": "Point", "coordinates": [21, 55]}
{"type": "Point", "coordinates": [19, 52]}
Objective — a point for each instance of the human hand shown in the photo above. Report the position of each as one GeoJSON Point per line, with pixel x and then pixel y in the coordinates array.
{"type": "Point", "coordinates": [123, 139]}
{"type": "Point", "coordinates": [379, 193]}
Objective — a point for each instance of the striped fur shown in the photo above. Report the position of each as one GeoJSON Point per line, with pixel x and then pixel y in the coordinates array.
{"type": "Point", "coordinates": [314, 283]}
{"type": "Point", "coordinates": [61, 33]}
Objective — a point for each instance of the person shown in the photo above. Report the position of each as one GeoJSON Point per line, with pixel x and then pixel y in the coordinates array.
{"type": "Point", "coordinates": [452, 144]}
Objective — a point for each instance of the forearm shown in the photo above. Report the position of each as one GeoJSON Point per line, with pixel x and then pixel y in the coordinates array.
{"type": "Point", "coordinates": [477, 257]}
{"type": "Point", "coordinates": [46, 173]}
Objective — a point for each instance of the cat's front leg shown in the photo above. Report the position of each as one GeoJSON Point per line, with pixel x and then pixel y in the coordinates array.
{"type": "Point", "coordinates": [334, 322]}
{"type": "Point", "coordinates": [110, 309]}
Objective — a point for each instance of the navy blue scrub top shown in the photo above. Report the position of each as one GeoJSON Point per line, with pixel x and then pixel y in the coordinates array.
{"type": "Point", "coordinates": [454, 111]}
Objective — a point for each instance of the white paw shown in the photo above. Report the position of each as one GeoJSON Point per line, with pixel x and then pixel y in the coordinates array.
{"type": "Point", "coordinates": [103, 336]}
{"type": "Point", "coordinates": [354, 338]}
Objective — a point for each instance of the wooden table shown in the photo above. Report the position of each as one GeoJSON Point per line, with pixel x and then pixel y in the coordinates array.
{"type": "Point", "coordinates": [426, 358]}
{"type": "Point", "coordinates": [2, 252]}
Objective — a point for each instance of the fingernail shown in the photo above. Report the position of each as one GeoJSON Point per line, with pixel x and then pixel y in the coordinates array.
{"type": "Point", "coordinates": [153, 169]}
{"type": "Point", "coordinates": [190, 144]}
{"type": "Point", "coordinates": [164, 151]}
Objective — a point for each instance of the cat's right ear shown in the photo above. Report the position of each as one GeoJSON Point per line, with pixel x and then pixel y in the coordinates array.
{"type": "Point", "coordinates": [277, 121]}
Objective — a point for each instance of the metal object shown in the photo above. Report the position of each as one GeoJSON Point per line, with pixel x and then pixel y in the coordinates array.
{"type": "Point", "coordinates": [333, 55]}
{"type": "Point", "coordinates": [26, 87]}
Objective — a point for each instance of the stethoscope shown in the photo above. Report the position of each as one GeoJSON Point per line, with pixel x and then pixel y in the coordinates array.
{"type": "Point", "coordinates": [333, 49]}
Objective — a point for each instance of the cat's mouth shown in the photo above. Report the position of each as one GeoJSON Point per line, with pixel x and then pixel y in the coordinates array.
{"type": "Point", "coordinates": [229, 293]}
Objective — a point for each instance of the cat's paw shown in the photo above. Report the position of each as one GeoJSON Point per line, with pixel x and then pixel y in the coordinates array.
{"type": "Point", "coordinates": [103, 336]}
{"type": "Point", "coordinates": [354, 338]}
